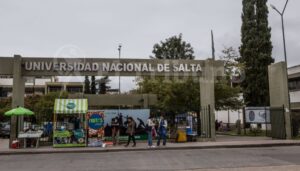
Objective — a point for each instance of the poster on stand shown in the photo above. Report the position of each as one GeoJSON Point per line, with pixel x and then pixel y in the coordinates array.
{"type": "Point", "coordinates": [95, 122]}
{"type": "Point", "coordinates": [257, 115]}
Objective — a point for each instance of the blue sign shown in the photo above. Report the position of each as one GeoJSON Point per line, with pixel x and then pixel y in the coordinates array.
{"type": "Point", "coordinates": [71, 105]}
{"type": "Point", "coordinates": [96, 121]}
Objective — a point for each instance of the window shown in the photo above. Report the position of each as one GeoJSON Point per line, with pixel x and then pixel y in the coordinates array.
{"type": "Point", "coordinates": [55, 88]}
{"type": "Point", "coordinates": [294, 84]}
{"type": "Point", "coordinates": [73, 89]}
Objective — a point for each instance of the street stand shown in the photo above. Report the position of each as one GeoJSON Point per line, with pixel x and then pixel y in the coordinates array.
{"type": "Point", "coordinates": [69, 128]}
{"type": "Point", "coordinates": [186, 125]}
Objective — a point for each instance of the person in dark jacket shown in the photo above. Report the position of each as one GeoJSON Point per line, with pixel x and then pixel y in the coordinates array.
{"type": "Point", "coordinates": [130, 131]}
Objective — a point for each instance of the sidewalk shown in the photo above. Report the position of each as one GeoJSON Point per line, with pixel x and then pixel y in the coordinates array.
{"type": "Point", "coordinates": [221, 142]}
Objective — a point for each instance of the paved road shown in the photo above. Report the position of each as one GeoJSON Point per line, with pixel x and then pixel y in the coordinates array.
{"type": "Point", "coordinates": [279, 158]}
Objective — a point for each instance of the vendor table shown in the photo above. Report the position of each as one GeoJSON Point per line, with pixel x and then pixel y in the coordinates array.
{"type": "Point", "coordinates": [31, 134]}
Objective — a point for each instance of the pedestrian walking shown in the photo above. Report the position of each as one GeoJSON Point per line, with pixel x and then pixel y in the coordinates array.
{"type": "Point", "coordinates": [149, 128]}
{"type": "Point", "coordinates": [130, 131]}
{"type": "Point", "coordinates": [115, 130]}
{"type": "Point", "coordinates": [162, 130]}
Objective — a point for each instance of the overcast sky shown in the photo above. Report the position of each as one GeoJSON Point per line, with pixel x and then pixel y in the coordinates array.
{"type": "Point", "coordinates": [94, 28]}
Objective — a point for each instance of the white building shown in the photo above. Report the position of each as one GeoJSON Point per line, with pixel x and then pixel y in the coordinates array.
{"type": "Point", "coordinates": [294, 86]}
{"type": "Point", "coordinates": [36, 85]}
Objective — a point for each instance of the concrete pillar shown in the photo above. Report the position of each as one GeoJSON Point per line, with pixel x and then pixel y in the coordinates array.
{"type": "Point", "coordinates": [278, 86]}
{"type": "Point", "coordinates": [18, 95]}
{"type": "Point", "coordinates": [145, 101]}
{"type": "Point", "coordinates": [207, 97]}
{"type": "Point", "coordinates": [64, 86]}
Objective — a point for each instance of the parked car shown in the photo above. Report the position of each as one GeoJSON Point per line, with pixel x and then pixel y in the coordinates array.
{"type": "Point", "coordinates": [5, 130]}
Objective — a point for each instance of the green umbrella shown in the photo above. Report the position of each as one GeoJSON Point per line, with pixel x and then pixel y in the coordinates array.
{"type": "Point", "coordinates": [19, 111]}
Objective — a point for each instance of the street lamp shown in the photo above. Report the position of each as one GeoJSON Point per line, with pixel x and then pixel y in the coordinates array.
{"type": "Point", "coordinates": [119, 49]}
{"type": "Point", "coordinates": [284, 45]}
{"type": "Point", "coordinates": [282, 25]}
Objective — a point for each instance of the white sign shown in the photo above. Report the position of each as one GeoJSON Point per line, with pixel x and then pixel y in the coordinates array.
{"type": "Point", "coordinates": [110, 67]}
{"type": "Point", "coordinates": [257, 114]}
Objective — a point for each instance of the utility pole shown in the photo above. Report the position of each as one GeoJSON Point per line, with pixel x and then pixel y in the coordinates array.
{"type": "Point", "coordinates": [119, 49]}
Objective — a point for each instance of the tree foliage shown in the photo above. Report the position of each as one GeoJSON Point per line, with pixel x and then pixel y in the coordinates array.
{"type": "Point", "coordinates": [175, 95]}
{"type": "Point", "coordinates": [44, 107]}
{"type": "Point", "coordinates": [182, 95]}
{"type": "Point", "coordinates": [103, 85]}
{"type": "Point", "coordinates": [227, 94]}
{"type": "Point", "coordinates": [255, 51]}
{"type": "Point", "coordinates": [5, 105]}
{"type": "Point", "coordinates": [87, 88]}
{"type": "Point", "coordinates": [173, 48]}
{"type": "Point", "coordinates": [93, 85]}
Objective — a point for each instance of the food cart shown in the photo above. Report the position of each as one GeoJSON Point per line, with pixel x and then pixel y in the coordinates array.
{"type": "Point", "coordinates": [186, 125]}
{"type": "Point", "coordinates": [69, 123]}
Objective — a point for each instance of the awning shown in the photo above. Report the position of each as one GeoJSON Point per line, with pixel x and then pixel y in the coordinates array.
{"type": "Point", "coordinates": [70, 106]}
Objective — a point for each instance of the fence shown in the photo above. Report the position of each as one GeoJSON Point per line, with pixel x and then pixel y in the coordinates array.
{"type": "Point", "coordinates": [205, 122]}
{"type": "Point", "coordinates": [273, 118]}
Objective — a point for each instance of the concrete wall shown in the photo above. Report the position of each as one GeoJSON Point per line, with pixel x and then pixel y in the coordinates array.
{"type": "Point", "coordinates": [233, 116]}
{"type": "Point", "coordinates": [144, 100]}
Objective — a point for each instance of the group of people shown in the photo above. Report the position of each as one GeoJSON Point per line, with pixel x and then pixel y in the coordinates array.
{"type": "Point", "coordinates": [154, 128]}
{"type": "Point", "coordinates": [157, 129]}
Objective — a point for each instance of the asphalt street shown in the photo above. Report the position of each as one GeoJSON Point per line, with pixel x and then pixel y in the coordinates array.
{"type": "Point", "coordinates": [277, 158]}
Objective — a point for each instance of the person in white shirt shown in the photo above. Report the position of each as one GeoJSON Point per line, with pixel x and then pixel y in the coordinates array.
{"type": "Point", "coordinates": [149, 127]}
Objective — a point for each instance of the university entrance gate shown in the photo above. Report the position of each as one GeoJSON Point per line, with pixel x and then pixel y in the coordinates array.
{"type": "Point", "coordinates": [204, 71]}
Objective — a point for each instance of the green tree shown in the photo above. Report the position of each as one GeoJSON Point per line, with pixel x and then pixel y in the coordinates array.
{"type": "Point", "coordinates": [44, 107]}
{"type": "Point", "coordinates": [87, 89]}
{"type": "Point", "coordinates": [173, 48]}
{"type": "Point", "coordinates": [255, 51]}
{"type": "Point", "coordinates": [93, 85]}
{"type": "Point", "coordinates": [226, 92]}
{"type": "Point", "coordinates": [103, 85]}
{"type": "Point", "coordinates": [175, 95]}
{"type": "Point", "coordinates": [5, 105]}
{"type": "Point", "coordinates": [1, 91]}
{"type": "Point", "coordinates": [181, 95]}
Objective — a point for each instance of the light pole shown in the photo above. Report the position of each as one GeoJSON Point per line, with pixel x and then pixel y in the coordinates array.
{"type": "Point", "coordinates": [119, 49]}
{"type": "Point", "coordinates": [282, 25]}
{"type": "Point", "coordinates": [284, 46]}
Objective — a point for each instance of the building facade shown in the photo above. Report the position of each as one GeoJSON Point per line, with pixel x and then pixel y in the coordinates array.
{"type": "Point", "coordinates": [40, 86]}
{"type": "Point", "coordinates": [294, 86]}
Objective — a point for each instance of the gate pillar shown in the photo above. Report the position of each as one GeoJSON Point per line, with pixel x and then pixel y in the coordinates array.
{"type": "Point", "coordinates": [17, 97]}
{"type": "Point", "coordinates": [279, 94]}
{"type": "Point", "coordinates": [207, 98]}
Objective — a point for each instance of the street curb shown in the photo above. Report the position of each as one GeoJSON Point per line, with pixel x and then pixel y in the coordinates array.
{"type": "Point", "coordinates": [84, 150]}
